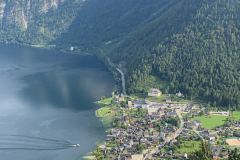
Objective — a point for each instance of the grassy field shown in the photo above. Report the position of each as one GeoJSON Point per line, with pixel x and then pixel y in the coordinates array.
{"type": "Point", "coordinates": [193, 133]}
{"type": "Point", "coordinates": [112, 145]}
{"type": "Point", "coordinates": [189, 147]}
{"type": "Point", "coordinates": [211, 123]}
{"type": "Point", "coordinates": [236, 114]}
{"type": "Point", "coordinates": [106, 101]}
{"type": "Point", "coordinates": [103, 111]}
{"type": "Point", "coordinates": [89, 157]}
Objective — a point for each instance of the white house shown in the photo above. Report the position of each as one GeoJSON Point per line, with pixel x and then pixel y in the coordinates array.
{"type": "Point", "coordinates": [179, 94]}
{"type": "Point", "coordinates": [141, 103]}
{"type": "Point", "coordinates": [154, 92]}
{"type": "Point", "coordinates": [157, 105]}
{"type": "Point", "coordinates": [115, 132]}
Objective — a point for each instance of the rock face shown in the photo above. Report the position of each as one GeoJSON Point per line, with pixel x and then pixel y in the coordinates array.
{"type": "Point", "coordinates": [43, 19]}
{"type": "Point", "coordinates": [2, 6]}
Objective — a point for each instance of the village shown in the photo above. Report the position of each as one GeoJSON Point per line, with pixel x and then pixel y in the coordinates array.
{"type": "Point", "coordinates": [150, 130]}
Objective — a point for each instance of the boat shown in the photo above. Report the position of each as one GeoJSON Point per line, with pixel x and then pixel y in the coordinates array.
{"type": "Point", "coordinates": [76, 145]}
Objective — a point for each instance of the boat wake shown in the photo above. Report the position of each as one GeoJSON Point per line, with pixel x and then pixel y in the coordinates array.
{"type": "Point", "coordinates": [21, 142]}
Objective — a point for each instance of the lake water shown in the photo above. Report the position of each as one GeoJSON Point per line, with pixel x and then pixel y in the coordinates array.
{"type": "Point", "coordinates": [48, 94]}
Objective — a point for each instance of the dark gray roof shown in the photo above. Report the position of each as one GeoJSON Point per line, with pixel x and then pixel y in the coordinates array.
{"type": "Point", "coordinates": [212, 135]}
{"type": "Point", "coordinates": [197, 121]}
{"type": "Point", "coordinates": [140, 102]}
{"type": "Point", "coordinates": [171, 113]}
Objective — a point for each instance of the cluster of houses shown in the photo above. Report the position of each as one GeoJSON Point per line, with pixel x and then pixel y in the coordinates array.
{"type": "Point", "coordinates": [140, 131]}
{"type": "Point", "coordinates": [211, 136]}
{"type": "Point", "coordinates": [190, 124]}
{"type": "Point", "coordinates": [153, 114]}
{"type": "Point", "coordinates": [169, 153]}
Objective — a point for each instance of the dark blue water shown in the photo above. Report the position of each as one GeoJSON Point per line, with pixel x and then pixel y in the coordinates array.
{"type": "Point", "coordinates": [50, 95]}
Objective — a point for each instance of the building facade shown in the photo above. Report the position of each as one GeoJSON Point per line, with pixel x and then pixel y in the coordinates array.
{"type": "Point", "coordinates": [154, 92]}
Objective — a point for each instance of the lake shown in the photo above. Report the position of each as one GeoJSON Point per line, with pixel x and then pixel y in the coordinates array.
{"type": "Point", "coordinates": [47, 100]}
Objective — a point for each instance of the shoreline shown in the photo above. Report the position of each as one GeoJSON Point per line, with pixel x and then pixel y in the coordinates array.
{"type": "Point", "coordinates": [49, 47]}
{"type": "Point", "coordinates": [105, 115]}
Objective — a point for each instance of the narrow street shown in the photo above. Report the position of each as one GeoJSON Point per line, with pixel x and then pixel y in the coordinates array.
{"type": "Point", "coordinates": [178, 111]}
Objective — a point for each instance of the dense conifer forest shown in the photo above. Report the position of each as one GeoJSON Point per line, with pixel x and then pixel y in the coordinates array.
{"type": "Point", "coordinates": [192, 44]}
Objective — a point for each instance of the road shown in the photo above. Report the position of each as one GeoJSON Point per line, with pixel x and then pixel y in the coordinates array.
{"type": "Point", "coordinates": [123, 80]}
{"type": "Point", "coordinates": [178, 111]}
{"type": "Point", "coordinates": [150, 154]}
{"type": "Point", "coordinates": [122, 75]}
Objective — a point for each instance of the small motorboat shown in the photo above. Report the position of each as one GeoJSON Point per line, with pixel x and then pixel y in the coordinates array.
{"type": "Point", "coordinates": [76, 145]}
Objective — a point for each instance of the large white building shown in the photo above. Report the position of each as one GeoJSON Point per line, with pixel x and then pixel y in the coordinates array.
{"type": "Point", "coordinates": [154, 92]}
{"type": "Point", "coordinates": [141, 103]}
{"type": "Point", "coordinates": [157, 105]}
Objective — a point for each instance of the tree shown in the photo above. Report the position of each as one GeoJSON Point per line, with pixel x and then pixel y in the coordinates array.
{"type": "Point", "coordinates": [199, 128]}
{"type": "Point", "coordinates": [202, 113]}
{"type": "Point", "coordinates": [97, 153]}
{"type": "Point", "coordinates": [103, 98]}
{"type": "Point", "coordinates": [169, 158]}
{"type": "Point", "coordinates": [107, 156]}
{"type": "Point", "coordinates": [234, 155]}
{"type": "Point", "coordinates": [118, 124]}
{"type": "Point", "coordinates": [139, 147]}
{"type": "Point", "coordinates": [208, 107]}
{"type": "Point", "coordinates": [214, 104]}
{"type": "Point", "coordinates": [123, 104]}
{"type": "Point", "coordinates": [226, 123]}
{"type": "Point", "coordinates": [193, 116]}
{"type": "Point", "coordinates": [179, 138]}
{"type": "Point", "coordinates": [193, 144]}
{"type": "Point", "coordinates": [203, 153]}
{"type": "Point", "coordinates": [174, 148]}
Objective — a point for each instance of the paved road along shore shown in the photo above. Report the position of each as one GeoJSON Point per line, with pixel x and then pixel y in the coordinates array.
{"type": "Point", "coordinates": [122, 75]}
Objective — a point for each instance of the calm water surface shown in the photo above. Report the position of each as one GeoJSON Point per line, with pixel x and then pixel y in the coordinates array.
{"type": "Point", "coordinates": [49, 94]}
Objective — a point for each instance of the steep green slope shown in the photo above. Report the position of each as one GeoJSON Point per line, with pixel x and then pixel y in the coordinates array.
{"type": "Point", "coordinates": [101, 21]}
{"type": "Point", "coordinates": [194, 46]}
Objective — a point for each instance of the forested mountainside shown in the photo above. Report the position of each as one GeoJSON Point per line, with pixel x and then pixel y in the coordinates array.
{"type": "Point", "coordinates": [194, 45]}
{"type": "Point", "coordinates": [35, 21]}
{"type": "Point", "coordinates": [103, 21]}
